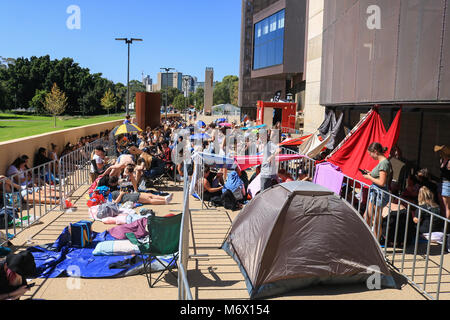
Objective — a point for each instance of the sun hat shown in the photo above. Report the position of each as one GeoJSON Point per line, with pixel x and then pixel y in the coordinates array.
{"type": "Point", "coordinates": [444, 149]}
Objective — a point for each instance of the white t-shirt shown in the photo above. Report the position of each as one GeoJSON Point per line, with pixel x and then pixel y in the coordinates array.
{"type": "Point", "coordinates": [98, 160]}
{"type": "Point", "coordinates": [13, 171]}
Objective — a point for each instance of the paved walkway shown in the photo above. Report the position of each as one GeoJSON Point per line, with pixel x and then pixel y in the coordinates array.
{"type": "Point", "coordinates": [215, 276]}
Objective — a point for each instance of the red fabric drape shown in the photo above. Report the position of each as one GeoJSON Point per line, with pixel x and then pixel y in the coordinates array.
{"type": "Point", "coordinates": [353, 155]}
{"type": "Point", "coordinates": [295, 142]}
{"type": "Point", "coordinates": [245, 162]}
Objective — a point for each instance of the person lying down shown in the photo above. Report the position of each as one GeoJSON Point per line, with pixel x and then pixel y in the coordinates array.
{"type": "Point", "coordinates": [140, 197]}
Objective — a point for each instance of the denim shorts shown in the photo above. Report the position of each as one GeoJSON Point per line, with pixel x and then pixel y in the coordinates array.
{"type": "Point", "coordinates": [446, 188]}
{"type": "Point", "coordinates": [378, 197]}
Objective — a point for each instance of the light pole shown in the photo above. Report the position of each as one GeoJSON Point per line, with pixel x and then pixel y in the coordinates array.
{"type": "Point", "coordinates": [186, 80]}
{"type": "Point", "coordinates": [128, 42]}
{"type": "Point", "coordinates": [167, 86]}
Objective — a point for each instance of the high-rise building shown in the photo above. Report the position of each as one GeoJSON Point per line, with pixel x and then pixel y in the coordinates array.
{"type": "Point", "coordinates": [171, 80]}
{"type": "Point", "coordinates": [209, 90]}
{"type": "Point", "coordinates": [148, 83]}
{"type": "Point", "coordinates": [272, 51]}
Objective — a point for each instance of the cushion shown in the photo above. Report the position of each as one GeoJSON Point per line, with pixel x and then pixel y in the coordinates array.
{"type": "Point", "coordinates": [115, 248]}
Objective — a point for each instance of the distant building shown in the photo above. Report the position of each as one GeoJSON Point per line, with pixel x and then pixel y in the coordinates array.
{"type": "Point", "coordinates": [148, 83]}
{"type": "Point", "coordinates": [171, 80]}
{"type": "Point", "coordinates": [272, 56]}
{"type": "Point", "coordinates": [191, 84]}
{"type": "Point", "coordinates": [209, 90]}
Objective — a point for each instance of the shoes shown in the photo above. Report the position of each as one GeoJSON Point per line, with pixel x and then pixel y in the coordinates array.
{"type": "Point", "coordinates": [68, 204]}
{"type": "Point", "coordinates": [169, 198]}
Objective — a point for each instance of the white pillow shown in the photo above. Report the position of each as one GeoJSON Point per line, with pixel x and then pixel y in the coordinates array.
{"type": "Point", "coordinates": [115, 248]}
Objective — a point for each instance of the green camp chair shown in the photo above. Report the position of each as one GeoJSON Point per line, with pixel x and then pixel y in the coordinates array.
{"type": "Point", "coordinates": [164, 238]}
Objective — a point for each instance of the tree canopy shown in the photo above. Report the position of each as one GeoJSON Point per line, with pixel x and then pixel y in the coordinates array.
{"type": "Point", "coordinates": [225, 91]}
{"type": "Point", "coordinates": [25, 78]}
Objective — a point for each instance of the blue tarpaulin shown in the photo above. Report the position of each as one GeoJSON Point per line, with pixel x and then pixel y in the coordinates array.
{"type": "Point", "coordinates": [60, 259]}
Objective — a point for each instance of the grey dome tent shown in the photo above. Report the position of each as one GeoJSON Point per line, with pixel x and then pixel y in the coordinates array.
{"type": "Point", "coordinates": [298, 234]}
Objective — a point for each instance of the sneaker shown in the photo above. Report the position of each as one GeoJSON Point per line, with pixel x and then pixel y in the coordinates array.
{"type": "Point", "coordinates": [169, 198]}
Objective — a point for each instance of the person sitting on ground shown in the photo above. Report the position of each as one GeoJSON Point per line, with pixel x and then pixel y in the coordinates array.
{"type": "Point", "coordinates": [284, 176]}
{"type": "Point", "coordinates": [411, 191]}
{"type": "Point", "coordinates": [303, 175]}
{"type": "Point", "coordinates": [13, 274]}
{"type": "Point", "coordinates": [53, 152]}
{"type": "Point", "coordinates": [212, 184]}
{"type": "Point", "coordinates": [112, 182]}
{"type": "Point", "coordinates": [130, 177]}
{"type": "Point", "coordinates": [424, 180]}
{"type": "Point", "coordinates": [121, 163]}
{"type": "Point", "coordinates": [100, 160]}
{"type": "Point", "coordinates": [17, 171]}
{"type": "Point", "coordinates": [255, 174]}
{"type": "Point", "coordinates": [427, 202]}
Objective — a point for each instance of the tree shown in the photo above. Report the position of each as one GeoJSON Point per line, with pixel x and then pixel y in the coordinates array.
{"type": "Point", "coordinates": [55, 102]}
{"type": "Point", "coordinates": [179, 102]}
{"type": "Point", "coordinates": [109, 100]}
{"type": "Point", "coordinates": [121, 94]}
{"type": "Point", "coordinates": [223, 90]}
{"type": "Point", "coordinates": [199, 98]}
{"type": "Point", "coordinates": [38, 101]}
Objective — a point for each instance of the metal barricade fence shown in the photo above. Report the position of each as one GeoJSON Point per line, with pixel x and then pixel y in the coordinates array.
{"type": "Point", "coordinates": [30, 194]}
{"type": "Point", "coordinates": [412, 253]}
{"type": "Point", "coordinates": [293, 167]}
{"type": "Point", "coordinates": [408, 250]}
{"type": "Point", "coordinates": [184, 291]}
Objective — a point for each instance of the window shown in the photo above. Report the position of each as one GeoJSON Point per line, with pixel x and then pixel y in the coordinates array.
{"type": "Point", "coordinates": [269, 41]}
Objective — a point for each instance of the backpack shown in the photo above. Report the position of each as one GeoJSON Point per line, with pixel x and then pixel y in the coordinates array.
{"type": "Point", "coordinates": [229, 201]}
{"type": "Point", "coordinates": [81, 234]}
{"type": "Point", "coordinates": [216, 201]}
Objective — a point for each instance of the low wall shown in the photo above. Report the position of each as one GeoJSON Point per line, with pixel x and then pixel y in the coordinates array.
{"type": "Point", "coordinates": [10, 150]}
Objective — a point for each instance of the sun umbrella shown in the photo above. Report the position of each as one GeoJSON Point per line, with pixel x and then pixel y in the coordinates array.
{"type": "Point", "coordinates": [126, 128]}
{"type": "Point", "coordinates": [201, 124]}
{"type": "Point", "coordinates": [225, 124]}
{"type": "Point", "coordinates": [221, 120]}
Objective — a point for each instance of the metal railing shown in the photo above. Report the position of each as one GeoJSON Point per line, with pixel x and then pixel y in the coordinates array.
{"type": "Point", "coordinates": [184, 291]}
{"type": "Point", "coordinates": [396, 223]}
{"type": "Point", "coordinates": [30, 194]}
{"type": "Point", "coordinates": [304, 165]}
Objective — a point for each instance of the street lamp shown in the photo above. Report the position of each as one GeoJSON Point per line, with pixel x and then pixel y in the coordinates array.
{"type": "Point", "coordinates": [167, 86]}
{"type": "Point", "coordinates": [128, 42]}
{"type": "Point", "coordinates": [186, 80]}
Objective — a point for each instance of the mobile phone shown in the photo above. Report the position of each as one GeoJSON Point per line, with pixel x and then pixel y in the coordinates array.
{"type": "Point", "coordinates": [363, 171]}
{"type": "Point", "coordinates": [30, 285]}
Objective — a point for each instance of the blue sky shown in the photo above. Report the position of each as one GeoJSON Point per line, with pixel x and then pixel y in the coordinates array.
{"type": "Point", "coordinates": [188, 35]}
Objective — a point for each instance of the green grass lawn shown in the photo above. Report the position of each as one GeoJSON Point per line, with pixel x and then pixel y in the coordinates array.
{"type": "Point", "coordinates": [13, 126]}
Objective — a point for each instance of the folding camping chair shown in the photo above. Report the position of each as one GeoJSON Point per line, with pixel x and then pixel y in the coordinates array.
{"type": "Point", "coordinates": [164, 238]}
